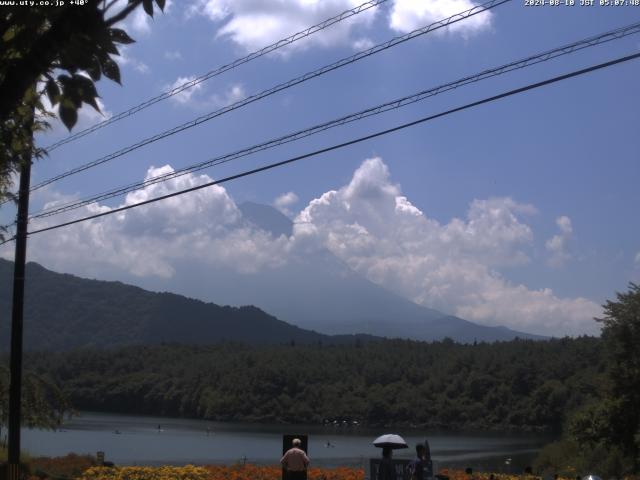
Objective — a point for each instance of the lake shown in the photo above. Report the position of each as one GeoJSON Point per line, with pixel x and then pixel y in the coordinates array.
{"type": "Point", "coordinates": [138, 440]}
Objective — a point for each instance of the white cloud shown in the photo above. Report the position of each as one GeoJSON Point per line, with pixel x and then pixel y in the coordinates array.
{"type": "Point", "coordinates": [284, 201]}
{"type": "Point", "coordinates": [379, 233]}
{"type": "Point", "coordinates": [203, 226]}
{"type": "Point", "coordinates": [196, 96]}
{"type": "Point", "coordinates": [126, 59]}
{"type": "Point", "coordinates": [362, 44]}
{"type": "Point", "coordinates": [253, 25]}
{"type": "Point", "coordinates": [558, 245]}
{"type": "Point", "coordinates": [138, 22]}
{"type": "Point", "coordinates": [233, 94]}
{"type": "Point", "coordinates": [409, 15]}
{"type": "Point", "coordinates": [186, 96]}
{"type": "Point", "coordinates": [173, 55]}
{"type": "Point", "coordinates": [368, 224]}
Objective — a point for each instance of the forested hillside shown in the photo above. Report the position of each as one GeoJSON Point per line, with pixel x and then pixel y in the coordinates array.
{"type": "Point", "coordinates": [519, 384]}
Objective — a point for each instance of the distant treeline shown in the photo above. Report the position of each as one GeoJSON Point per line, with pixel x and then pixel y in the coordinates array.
{"type": "Point", "coordinates": [524, 385]}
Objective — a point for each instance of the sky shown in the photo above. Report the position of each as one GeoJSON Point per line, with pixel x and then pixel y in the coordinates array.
{"type": "Point", "coordinates": [521, 212]}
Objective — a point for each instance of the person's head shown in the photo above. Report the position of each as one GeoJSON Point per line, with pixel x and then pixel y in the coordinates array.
{"type": "Point", "coordinates": [386, 452]}
{"type": "Point", "coordinates": [420, 450]}
{"type": "Point", "coordinates": [296, 442]}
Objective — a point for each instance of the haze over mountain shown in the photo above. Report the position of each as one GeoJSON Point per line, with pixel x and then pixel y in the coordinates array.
{"type": "Point", "coordinates": [320, 292]}
{"type": "Point", "coordinates": [65, 312]}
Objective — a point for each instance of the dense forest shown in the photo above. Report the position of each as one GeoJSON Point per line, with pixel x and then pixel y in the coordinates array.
{"type": "Point", "coordinates": [520, 384]}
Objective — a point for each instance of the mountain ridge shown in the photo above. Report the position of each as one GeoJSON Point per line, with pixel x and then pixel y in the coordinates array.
{"type": "Point", "coordinates": [64, 311]}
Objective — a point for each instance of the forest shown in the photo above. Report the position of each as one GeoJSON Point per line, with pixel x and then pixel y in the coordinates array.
{"type": "Point", "coordinates": [522, 384]}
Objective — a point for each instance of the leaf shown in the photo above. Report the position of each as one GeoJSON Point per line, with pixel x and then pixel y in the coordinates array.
{"type": "Point", "coordinates": [53, 91]}
{"type": "Point", "coordinates": [120, 36]}
{"type": "Point", "coordinates": [148, 7]}
{"type": "Point", "coordinates": [111, 48]}
{"type": "Point", "coordinates": [93, 69]}
{"type": "Point", "coordinates": [161, 4]}
{"type": "Point", "coordinates": [68, 115]}
{"type": "Point", "coordinates": [9, 34]}
{"type": "Point", "coordinates": [110, 69]}
{"type": "Point", "coordinates": [86, 90]}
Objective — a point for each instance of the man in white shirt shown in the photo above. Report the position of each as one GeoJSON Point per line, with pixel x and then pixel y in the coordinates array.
{"type": "Point", "coordinates": [295, 461]}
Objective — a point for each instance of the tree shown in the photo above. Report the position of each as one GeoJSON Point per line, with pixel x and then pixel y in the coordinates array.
{"type": "Point", "coordinates": [58, 52]}
{"type": "Point", "coordinates": [43, 403]}
{"type": "Point", "coordinates": [621, 334]}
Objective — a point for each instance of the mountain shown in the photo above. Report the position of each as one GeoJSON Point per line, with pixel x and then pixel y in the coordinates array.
{"type": "Point", "coordinates": [320, 292]}
{"type": "Point", "coordinates": [64, 311]}
{"type": "Point", "coordinates": [307, 295]}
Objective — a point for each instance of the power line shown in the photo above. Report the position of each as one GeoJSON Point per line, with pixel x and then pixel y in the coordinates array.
{"type": "Point", "coordinates": [220, 70]}
{"type": "Point", "coordinates": [391, 105]}
{"type": "Point", "coordinates": [8, 240]}
{"type": "Point", "coordinates": [282, 86]}
{"type": "Point", "coordinates": [348, 143]}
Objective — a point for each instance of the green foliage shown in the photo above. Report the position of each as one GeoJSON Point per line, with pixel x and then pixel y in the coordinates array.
{"type": "Point", "coordinates": [569, 458]}
{"type": "Point", "coordinates": [439, 385]}
{"type": "Point", "coordinates": [621, 334]}
{"type": "Point", "coordinates": [604, 435]}
{"type": "Point", "coordinates": [65, 50]}
{"type": "Point", "coordinates": [43, 403]}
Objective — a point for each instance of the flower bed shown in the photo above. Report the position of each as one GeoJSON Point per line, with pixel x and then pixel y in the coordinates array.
{"type": "Point", "coordinates": [79, 468]}
{"type": "Point", "coordinates": [214, 472]}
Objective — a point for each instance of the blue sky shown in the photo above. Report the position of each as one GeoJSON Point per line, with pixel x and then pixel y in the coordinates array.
{"type": "Point", "coordinates": [522, 212]}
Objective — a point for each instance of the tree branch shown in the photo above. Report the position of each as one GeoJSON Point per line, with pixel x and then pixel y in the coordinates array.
{"type": "Point", "coordinates": [123, 13]}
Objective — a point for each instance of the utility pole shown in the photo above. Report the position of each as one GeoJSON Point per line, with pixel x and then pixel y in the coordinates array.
{"type": "Point", "coordinates": [15, 367]}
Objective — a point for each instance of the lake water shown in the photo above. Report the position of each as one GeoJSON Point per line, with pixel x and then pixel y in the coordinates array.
{"type": "Point", "coordinates": [138, 440]}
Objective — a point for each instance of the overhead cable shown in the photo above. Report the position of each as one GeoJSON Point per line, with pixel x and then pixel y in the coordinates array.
{"type": "Point", "coordinates": [391, 105]}
{"type": "Point", "coordinates": [218, 71]}
{"type": "Point", "coordinates": [345, 144]}
{"type": "Point", "coordinates": [282, 86]}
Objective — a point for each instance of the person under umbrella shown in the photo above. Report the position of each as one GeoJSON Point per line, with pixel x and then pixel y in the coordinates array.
{"type": "Point", "coordinates": [386, 471]}
{"type": "Point", "coordinates": [388, 443]}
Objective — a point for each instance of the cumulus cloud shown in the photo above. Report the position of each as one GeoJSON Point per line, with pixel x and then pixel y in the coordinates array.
{"type": "Point", "coordinates": [558, 245]}
{"type": "Point", "coordinates": [204, 226]}
{"type": "Point", "coordinates": [284, 201]}
{"type": "Point", "coordinates": [452, 267]}
{"type": "Point", "coordinates": [409, 15]}
{"type": "Point", "coordinates": [368, 224]}
{"type": "Point", "coordinates": [253, 25]}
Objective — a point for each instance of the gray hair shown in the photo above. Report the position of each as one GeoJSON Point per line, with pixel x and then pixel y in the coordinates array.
{"type": "Point", "coordinates": [296, 442]}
